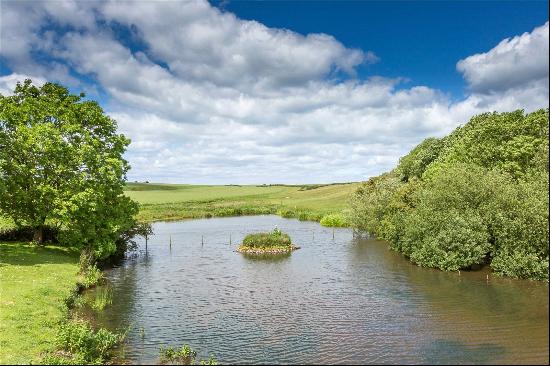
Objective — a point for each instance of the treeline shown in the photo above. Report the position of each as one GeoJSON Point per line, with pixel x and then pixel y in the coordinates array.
{"type": "Point", "coordinates": [477, 196]}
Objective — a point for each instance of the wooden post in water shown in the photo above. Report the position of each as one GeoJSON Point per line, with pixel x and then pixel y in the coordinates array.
{"type": "Point", "coordinates": [332, 233]}
{"type": "Point", "coordinates": [202, 239]}
{"type": "Point", "coordinates": [170, 242]}
{"type": "Point", "coordinates": [146, 243]}
{"type": "Point", "coordinates": [313, 234]}
{"type": "Point", "coordinates": [229, 238]}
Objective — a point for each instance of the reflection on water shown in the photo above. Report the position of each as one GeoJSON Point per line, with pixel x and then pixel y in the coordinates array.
{"type": "Point", "coordinates": [336, 300]}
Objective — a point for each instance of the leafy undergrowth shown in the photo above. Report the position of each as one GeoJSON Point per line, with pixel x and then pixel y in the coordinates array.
{"type": "Point", "coordinates": [78, 343]}
{"type": "Point", "coordinates": [182, 356]}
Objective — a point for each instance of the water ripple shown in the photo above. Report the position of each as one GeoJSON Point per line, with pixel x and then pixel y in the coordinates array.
{"type": "Point", "coordinates": [333, 301]}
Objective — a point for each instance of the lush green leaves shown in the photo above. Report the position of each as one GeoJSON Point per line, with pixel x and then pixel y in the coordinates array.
{"type": "Point", "coordinates": [479, 195]}
{"type": "Point", "coordinates": [415, 163]}
{"type": "Point", "coordinates": [61, 163]}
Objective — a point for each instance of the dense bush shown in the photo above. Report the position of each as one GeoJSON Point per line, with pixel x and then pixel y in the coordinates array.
{"type": "Point", "coordinates": [477, 196]}
{"type": "Point", "coordinates": [334, 220]}
{"type": "Point", "coordinates": [415, 163]}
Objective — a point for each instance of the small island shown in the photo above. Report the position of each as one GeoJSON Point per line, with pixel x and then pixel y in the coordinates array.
{"type": "Point", "coordinates": [274, 242]}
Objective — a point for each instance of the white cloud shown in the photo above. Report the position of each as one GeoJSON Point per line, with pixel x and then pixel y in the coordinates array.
{"type": "Point", "coordinates": [210, 98]}
{"type": "Point", "coordinates": [514, 63]}
{"type": "Point", "coordinates": [198, 42]}
{"type": "Point", "coordinates": [8, 82]}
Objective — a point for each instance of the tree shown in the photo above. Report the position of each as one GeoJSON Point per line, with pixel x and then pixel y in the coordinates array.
{"type": "Point", "coordinates": [415, 163]}
{"type": "Point", "coordinates": [476, 196]}
{"type": "Point", "coordinates": [61, 164]}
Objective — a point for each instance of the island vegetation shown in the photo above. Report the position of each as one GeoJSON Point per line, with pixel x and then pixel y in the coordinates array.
{"type": "Point", "coordinates": [274, 242]}
{"type": "Point", "coordinates": [477, 196]}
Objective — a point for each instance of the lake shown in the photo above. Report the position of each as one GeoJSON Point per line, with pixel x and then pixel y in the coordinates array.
{"type": "Point", "coordinates": [338, 299]}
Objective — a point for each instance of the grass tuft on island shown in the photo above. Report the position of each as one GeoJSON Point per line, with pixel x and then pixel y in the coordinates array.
{"type": "Point", "coordinates": [275, 242]}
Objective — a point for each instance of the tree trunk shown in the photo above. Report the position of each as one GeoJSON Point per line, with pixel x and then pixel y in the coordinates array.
{"type": "Point", "coordinates": [38, 236]}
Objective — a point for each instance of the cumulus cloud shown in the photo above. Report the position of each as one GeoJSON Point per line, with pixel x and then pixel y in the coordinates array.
{"type": "Point", "coordinates": [515, 62]}
{"type": "Point", "coordinates": [8, 82]}
{"type": "Point", "coordinates": [209, 98]}
{"type": "Point", "coordinates": [198, 42]}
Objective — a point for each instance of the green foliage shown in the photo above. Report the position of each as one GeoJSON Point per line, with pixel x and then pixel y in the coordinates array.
{"type": "Point", "coordinates": [103, 298]}
{"type": "Point", "coordinates": [510, 142]}
{"type": "Point", "coordinates": [276, 238]}
{"type": "Point", "coordinates": [61, 163]}
{"type": "Point", "coordinates": [477, 196]}
{"type": "Point", "coordinates": [91, 276]}
{"type": "Point", "coordinates": [415, 163]}
{"type": "Point", "coordinates": [334, 220]}
{"type": "Point", "coordinates": [78, 343]}
{"type": "Point", "coordinates": [371, 200]}
{"type": "Point", "coordinates": [211, 361]}
{"type": "Point", "coordinates": [447, 228]}
{"type": "Point", "coordinates": [519, 226]}
{"type": "Point", "coordinates": [183, 356]}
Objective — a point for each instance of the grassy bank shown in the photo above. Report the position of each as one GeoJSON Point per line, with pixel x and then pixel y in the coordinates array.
{"type": "Point", "coordinates": [179, 201]}
{"type": "Point", "coordinates": [34, 283]}
{"type": "Point", "coordinates": [40, 290]}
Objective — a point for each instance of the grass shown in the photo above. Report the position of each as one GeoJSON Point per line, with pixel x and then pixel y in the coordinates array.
{"type": "Point", "coordinates": [180, 201]}
{"type": "Point", "coordinates": [34, 283]}
{"type": "Point", "coordinates": [262, 243]}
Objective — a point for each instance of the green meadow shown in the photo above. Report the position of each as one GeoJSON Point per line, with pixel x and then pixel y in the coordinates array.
{"type": "Point", "coordinates": [34, 283]}
{"type": "Point", "coordinates": [181, 201]}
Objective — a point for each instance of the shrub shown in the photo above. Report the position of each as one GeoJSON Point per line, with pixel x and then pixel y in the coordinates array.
{"type": "Point", "coordinates": [91, 276]}
{"type": "Point", "coordinates": [183, 356]}
{"type": "Point", "coordinates": [286, 213]}
{"type": "Point", "coordinates": [334, 220]}
{"type": "Point", "coordinates": [78, 343]}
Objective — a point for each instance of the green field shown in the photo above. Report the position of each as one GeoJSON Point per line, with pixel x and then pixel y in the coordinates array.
{"type": "Point", "coordinates": [180, 201]}
{"type": "Point", "coordinates": [34, 282]}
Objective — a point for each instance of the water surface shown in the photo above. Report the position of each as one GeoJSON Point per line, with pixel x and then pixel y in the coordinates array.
{"type": "Point", "coordinates": [336, 300]}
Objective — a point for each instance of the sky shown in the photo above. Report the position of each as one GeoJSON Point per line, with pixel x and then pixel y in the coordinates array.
{"type": "Point", "coordinates": [253, 92]}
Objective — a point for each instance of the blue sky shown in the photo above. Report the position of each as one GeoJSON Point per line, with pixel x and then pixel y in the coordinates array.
{"type": "Point", "coordinates": [422, 40]}
{"type": "Point", "coordinates": [280, 92]}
